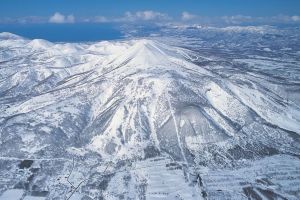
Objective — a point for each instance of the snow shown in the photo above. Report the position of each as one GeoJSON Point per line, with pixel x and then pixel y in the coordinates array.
{"type": "Point", "coordinates": [287, 117]}
{"type": "Point", "coordinates": [153, 111]}
{"type": "Point", "coordinates": [274, 169]}
{"type": "Point", "coordinates": [39, 45]}
{"type": "Point", "coordinates": [9, 36]}
{"type": "Point", "coordinates": [226, 103]}
{"type": "Point", "coordinates": [162, 179]}
{"type": "Point", "coordinates": [232, 29]}
{"type": "Point", "coordinates": [251, 29]}
{"type": "Point", "coordinates": [34, 198]}
{"type": "Point", "coordinates": [76, 196]}
{"type": "Point", "coordinates": [12, 194]}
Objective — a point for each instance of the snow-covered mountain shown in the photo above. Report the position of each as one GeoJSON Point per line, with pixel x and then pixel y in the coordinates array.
{"type": "Point", "coordinates": [146, 119]}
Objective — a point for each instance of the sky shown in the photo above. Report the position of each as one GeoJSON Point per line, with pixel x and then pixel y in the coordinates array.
{"type": "Point", "coordinates": [17, 8]}
{"type": "Point", "coordinates": [34, 16]}
{"type": "Point", "coordinates": [108, 9]}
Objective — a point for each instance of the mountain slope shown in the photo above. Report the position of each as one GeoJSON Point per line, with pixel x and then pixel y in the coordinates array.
{"type": "Point", "coordinates": [103, 112]}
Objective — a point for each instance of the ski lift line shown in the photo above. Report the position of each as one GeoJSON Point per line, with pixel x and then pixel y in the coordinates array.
{"type": "Point", "coordinates": [72, 186]}
{"type": "Point", "coordinates": [75, 189]}
{"type": "Point", "coordinates": [73, 164]}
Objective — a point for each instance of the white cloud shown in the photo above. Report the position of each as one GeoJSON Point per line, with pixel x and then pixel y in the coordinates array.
{"type": "Point", "coordinates": [146, 15]}
{"type": "Point", "coordinates": [295, 18]}
{"type": "Point", "coordinates": [187, 16]}
{"type": "Point", "coordinates": [149, 15]}
{"type": "Point", "coordinates": [241, 19]}
{"type": "Point", "coordinates": [24, 20]}
{"type": "Point", "coordinates": [60, 19]}
{"type": "Point", "coordinates": [70, 19]}
{"type": "Point", "coordinates": [57, 18]}
{"type": "Point", "coordinates": [153, 16]}
{"type": "Point", "coordinates": [237, 19]}
{"type": "Point", "coordinates": [285, 19]}
{"type": "Point", "coordinates": [96, 19]}
{"type": "Point", "coordinates": [101, 19]}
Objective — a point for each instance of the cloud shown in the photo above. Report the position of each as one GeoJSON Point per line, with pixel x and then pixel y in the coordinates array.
{"type": "Point", "coordinates": [286, 19]}
{"type": "Point", "coordinates": [279, 19]}
{"type": "Point", "coordinates": [295, 18]}
{"type": "Point", "coordinates": [95, 19]}
{"type": "Point", "coordinates": [139, 16]}
{"type": "Point", "coordinates": [101, 19]}
{"type": "Point", "coordinates": [185, 16]}
{"type": "Point", "coordinates": [237, 19]}
{"type": "Point", "coordinates": [60, 19]}
{"type": "Point", "coordinates": [147, 15]}
{"type": "Point", "coordinates": [24, 20]}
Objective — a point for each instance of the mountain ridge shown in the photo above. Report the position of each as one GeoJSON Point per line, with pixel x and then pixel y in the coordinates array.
{"type": "Point", "coordinates": [110, 106]}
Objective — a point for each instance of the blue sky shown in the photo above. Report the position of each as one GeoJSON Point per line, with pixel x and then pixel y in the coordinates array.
{"type": "Point", "coordinates": [16, 8]}
{"type": "Point", "coordinates": [87, 20]}
{"type": "Point", "coordinates": [14, 11]}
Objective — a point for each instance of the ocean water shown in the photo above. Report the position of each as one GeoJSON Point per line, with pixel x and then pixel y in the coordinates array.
{"type": "Point", "coordinates": [65, 32]}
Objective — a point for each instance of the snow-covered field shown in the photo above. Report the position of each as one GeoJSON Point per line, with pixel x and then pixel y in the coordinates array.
{"type": "Point", "coordinates": [203, 115]}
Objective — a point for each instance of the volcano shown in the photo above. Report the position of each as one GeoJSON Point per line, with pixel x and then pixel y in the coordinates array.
{"type": "Point", "coordinates": [142, 119]}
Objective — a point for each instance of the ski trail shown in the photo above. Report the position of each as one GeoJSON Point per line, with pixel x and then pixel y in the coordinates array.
{"type": "Point", "coordinates": [176, 129]}
{"type": "Point", "coordinates": [152, 126]}
{"type": "Point", "coordinates": [138, 108]}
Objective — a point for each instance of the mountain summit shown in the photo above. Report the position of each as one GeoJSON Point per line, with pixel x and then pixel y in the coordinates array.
{"type": "Point", "coordinates": [137, 119]}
